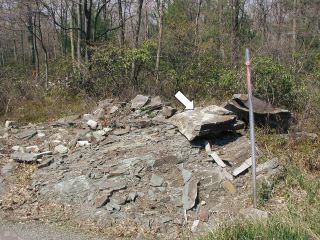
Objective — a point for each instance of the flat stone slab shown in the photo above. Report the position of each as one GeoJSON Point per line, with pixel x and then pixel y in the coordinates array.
{"type": "Point", "coordinates": [139, 101]}
{"type": "Point", "coordinates": [208, 121]}
{"type": "Point", "coordinates": [264, 113]}
{"type": "Point", "coordinates": [156, 181]}
{"type": "Point", "coordinates": [24, 157]}
{"type": "Point", "coordinates": [190, 193]}
{"type": "Point", "coordinates": [27, 134]}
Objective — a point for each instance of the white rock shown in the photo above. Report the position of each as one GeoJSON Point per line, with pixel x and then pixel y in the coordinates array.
{"type": "Point", "coordinates": [61, 149]}
{"type": "Point", "coordinates": [87, 117]}
{"type": "Point", "coordinates": [10, 124]}
{"type": "Point", "coordinates": [41, 135]}
{"type": "Point", "coordinates": [113, 109]}
{"type": "Point", "coordinates": [83, 143]}
{"type": "Point", "coordinates": [34, 149]}
{"type": "Point", "coordinates": [15, 148]}
{"type": "Point", "coordinates": [92, 124]}
{"type": "Point", "coordinates": [195, 225]}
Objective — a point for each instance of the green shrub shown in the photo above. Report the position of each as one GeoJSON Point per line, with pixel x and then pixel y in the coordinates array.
{"type": "Point", "coordinates": [273, 82]}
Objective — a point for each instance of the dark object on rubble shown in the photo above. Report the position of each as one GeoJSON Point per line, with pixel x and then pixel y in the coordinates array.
{"type": "Point", "coordinates": [264, 113]}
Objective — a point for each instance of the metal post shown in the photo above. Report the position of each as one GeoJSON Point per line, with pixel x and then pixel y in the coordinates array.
{"type": "Point", "coordinates": [251, 122]}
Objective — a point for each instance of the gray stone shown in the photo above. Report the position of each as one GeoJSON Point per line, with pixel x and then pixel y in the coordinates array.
{"type": "Point", "coordinates": [61, 149]}
{"type": "Point", "coordinates": [139, 101]}
{"type": "Point", "coordinates": [8, 169]}
{"type": "Point", "coordinates": [99, 113]}
{"type": "Point", "coordinates": [27, 134]}
{"type": "Point", "coordinates": [92, 124]}
{"type": "Point", "coordinates": [10, 124]}
{"type": "Point", "coordinates": [168, 112]}
{"type": "Point", "coordinates": [254, 213]}
{"type": "Point", "coordinates": [102, 199]}
{"type": "Point", "coordinates": [121, 131]}
{"type": "Point", "coordinates": [99, 135]}
{"type": "Point", "coordinates": [186, 174]}
{"type": "Point", "coordinates": [24, 157]}
{"type": "Point", "coordinates": [45, 163]}
{"type": "Point", "coordinates": [264, 113]}
{"type": "Point", "coordinates": [154, 104]}
{"type": "Point", "coordinates": [208, 121]}
{"type": "Point", "coordinates": [132, 196]}
{"type": "Point", "coordinates": [156, 181]}
{"type": "Point", "coordinates": [268, 165]}
{"type": "Point", "coordinates": [112, 185]}
{"type": "Point", "coordinates": [190, 193]}
{"type": "Point", "coordinates": [73, 186]}
{"type": "Point", "coordinates": [42, 154]}
{"type": "Point", "coordinates": [111, 206]}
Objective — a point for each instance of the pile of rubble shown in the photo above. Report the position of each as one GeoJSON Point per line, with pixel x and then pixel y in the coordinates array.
{"type": "Point", "coordinates": [141, 164]}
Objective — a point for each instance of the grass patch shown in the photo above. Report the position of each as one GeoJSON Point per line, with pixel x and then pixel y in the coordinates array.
{"type": "Point", "coordinates": [247, 230]}
{"type": "Point", "coordinates": [50, 107]}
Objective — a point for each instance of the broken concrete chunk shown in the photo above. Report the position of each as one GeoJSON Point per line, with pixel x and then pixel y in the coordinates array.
{"type": "Point", "coordinates": [139, 101]}
{"type": "Point", "coordinates": [61, 149]}
{"type": "Point", "coordinates": [208, 121]}
{"type": "Point", "coordinates": [264, 113]}
{"type": "Point", "coordinates": [92, 124]}
{"type": "Point", "coordinates": [156, 181]}
{"type": "Point", "coordinates": [24, 157]}
{"type": "Point", "coordinates": [244, 166]}
{"type": "Point", "coordinates": [27, 134]}
{"type": "Point", "coordinates": [190, 193]}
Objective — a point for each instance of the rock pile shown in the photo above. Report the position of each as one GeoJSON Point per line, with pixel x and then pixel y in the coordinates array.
{"type": "Point", "coordinates": [140, 163]}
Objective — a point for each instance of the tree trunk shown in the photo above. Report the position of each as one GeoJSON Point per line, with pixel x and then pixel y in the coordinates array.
{"type": "Point", "coordinates": [161, 13]}
{"type": "Point", "coordinates": [72, 37]}
{"type": "Point", "coordinates": [121, 22]}
{"type": "Point", "coordinates": [79, 19]}
{"type": "Point", "coordinates": [294, 25]}
{"type": "Point", "coordinates": [37, 62]}
{"type": "Point", "coordinates": [146, 21]}
{"type": "Point", "coordinates": [197, 23]}
{"type": "Point", "coordinates": [235, 32]}
{"type": "Point", "coordinates": [136, 42]}
{"type": "Point", "coordinates": [22, 47]}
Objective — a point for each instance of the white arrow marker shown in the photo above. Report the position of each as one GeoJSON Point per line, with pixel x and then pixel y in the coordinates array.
{"type": "Point", "coordinates": [185, 101]}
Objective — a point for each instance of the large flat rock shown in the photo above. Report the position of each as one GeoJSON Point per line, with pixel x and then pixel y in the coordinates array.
{"type": "Point", "coordinates": [207, 121]}
{"type": "Point", "coordinates": [264, 113]}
